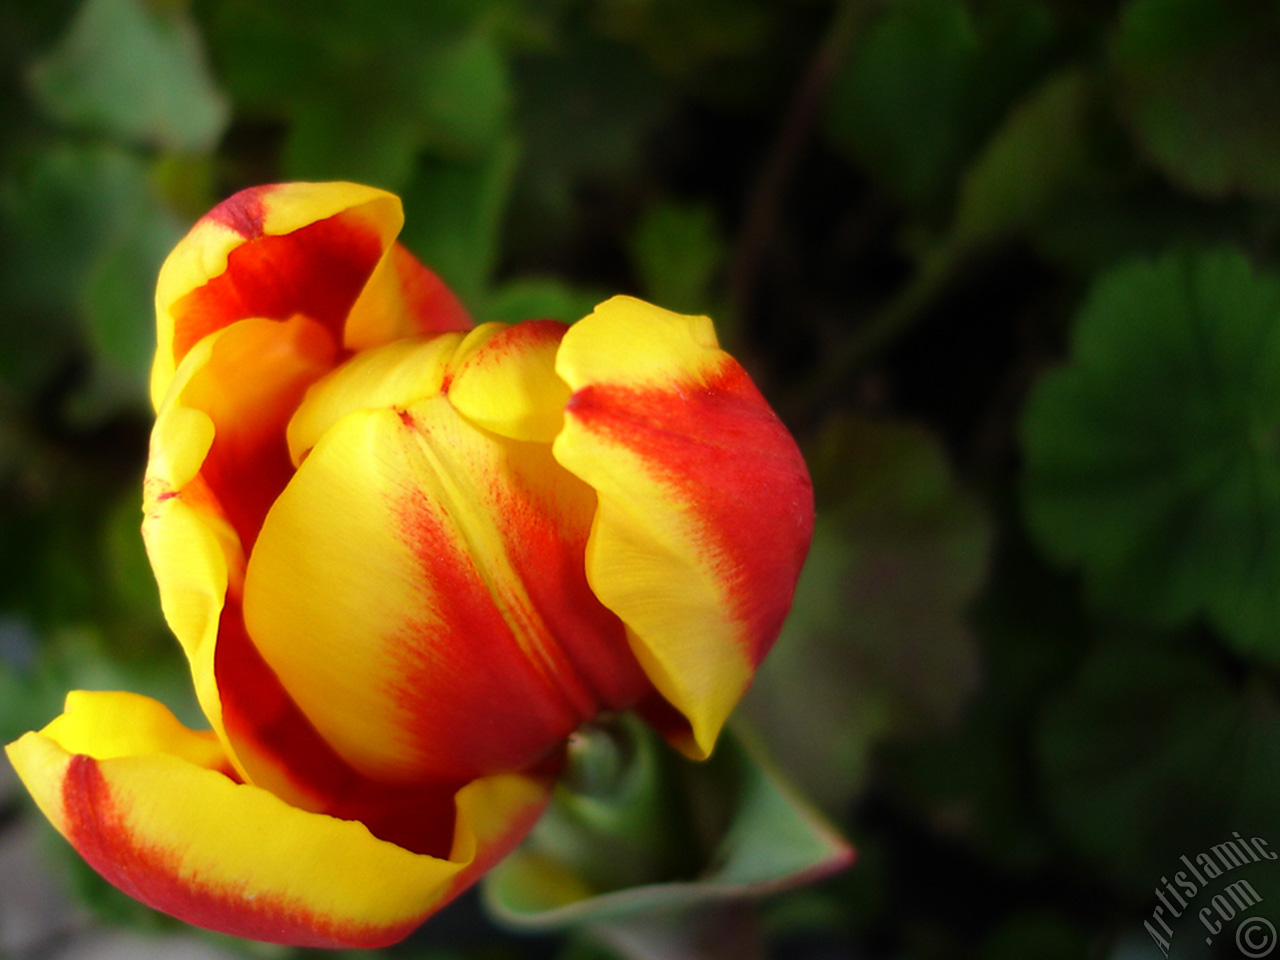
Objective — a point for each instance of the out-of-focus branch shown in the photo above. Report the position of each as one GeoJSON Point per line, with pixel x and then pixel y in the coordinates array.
{"type": "Point", "coordinates": [779, 165]}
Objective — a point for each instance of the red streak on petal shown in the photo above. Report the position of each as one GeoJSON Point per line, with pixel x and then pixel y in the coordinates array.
{"type": "Point", "coordinates": [258, 713]}
{"type": "Point", "coordinates": [154, 874]}
{"type": "Point", "coordinates": [510, 660]}
{"type": "Point", "coordinates": [246, 482]}
{"type": "Point", "coordinates": [243, 212]}
{"type": "Point", "coordinates": [431, 304]}
{"type": "Point", "coordinates": [729, 462]}
{"type": "Point", "coordinates": [317, 271]}
{"type": "Point", "coordinates": [584, 640]}
{"type": "Point", "coordinates": [480, 705]}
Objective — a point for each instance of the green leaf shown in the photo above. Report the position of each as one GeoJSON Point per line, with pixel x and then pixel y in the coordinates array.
{"type": "Point", "coordinates": [119, 298]}
{"type": "Point", "coordinates": [372, 143]}
{"type": "Point", "coordinates": [586, 107]}
{"type": "Point", "coordinates": [1039, 152]}
{"type": "Point", "coordinates": [540, 298]}
{"type": "Point", "coordinates": [877, 639]}
{"type": "Point", "coordinates": [83, 232]}
{"type": "Point", "coordinates": [769, 840]}
{"type": "Point", "coordinates": [677, 250]}
{"type": "Point", "coordinates": [465, 97]}
{"type": "Point", "coordinates": [926, 82]}
{"type": "Point", "coordinates": [365, 96]}
{"type": "Point", "coordinates": [973, 776]}
{"type": "Point", "coordinates": [682, 37]}
{"type": "Point", "coordinates": [1150, 753]}
{"type": "Point", "coordinates": [135, 70]}
{"type": "Point", "coordinates": [1153, 460]}
{"type": "Point", "coordinates": [1043, 935]}
{"type": "Point", "coordinates": [1198, 80]}
{"type": "Point", "coordinates": [453, 210]}
{"type": "Point", "coordinates": [1110, 221]}
{"type": "Point", "coordinates": [451, 98]}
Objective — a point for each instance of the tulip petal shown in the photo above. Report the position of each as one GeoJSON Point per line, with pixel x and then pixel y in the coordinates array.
{"type": "Point", "coordinates": [272, 252]}
{"type": "Point", "coordinates": [218, 460]}
{"type": "Point", "coordinates": [144, 802]}
{"type": "Point", "coordinates": [504, 379]}
{"type": "Point", "coordinates": [419, 590]}
{"type": "Point", "coordinates": [396, 375]}
{"type": "Point", "coordinates": [706, 509]}
{"type": "Point", "coordinates": [402, 299]}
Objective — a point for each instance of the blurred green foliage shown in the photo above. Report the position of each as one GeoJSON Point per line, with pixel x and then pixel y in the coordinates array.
{"type": "Point", "coordinates": [1009, 268]}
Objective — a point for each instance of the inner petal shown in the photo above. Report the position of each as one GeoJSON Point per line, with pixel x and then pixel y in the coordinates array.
{"type": "Point", "coordinates": [419, 589]}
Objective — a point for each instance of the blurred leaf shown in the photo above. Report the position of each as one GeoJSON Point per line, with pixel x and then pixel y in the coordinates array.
{"type": "Point", "coordinates": [456, 105]}
{"type": "Point", "coordinates": [56, 213]}
{"type": "Point", "coordinates": [83, 232]}
{"type": "Point", "coordinates": [453, 211]}
{"type": "Point", "coordinates": [118, 304]}
{"type": "Point", "coordinates": [1108, 222]}
{"type": "Point", "coordinates": [1143, 724]}
{"type": "Point", "coordinates": [971, 782]}
{"type": "Point", "coordinates": [540, 298]}
{"type": "Point", "coordinates": [1038, 153]}
{"type": "Point", "coordinates": [127, 570]}
{"type": "Point", "coordinates": [26, 702]}
{"type": "Point", "coordinates": [681, 37]}
{"type": "Point", "coordinates": [876, 645]}
{"type": "Point", "coordinates": [585, 108]}
{"type": "Point", "coordinates": [719, 932]}
{"type": "Point", "coordinates": [1152, 460]}
{"type": "Point", "coordinates": [1045, 936]}
{"type": "Point", "coordinates": [677, 250]}
{"type": "Point", "coordinates": [364, 96]}
{"type": "Point", "coordinates": [926, 83]}
{"type": "Point", "coordinates": [341, 138]}
{"type": "Point", "coordinates": [465, 97]}
{"type": "Point", "coordinates": [135, 70]}
{"type": "Point", "coordinates": [1198, 79]}
{"type": "Point", "coordinates": [771, 841]}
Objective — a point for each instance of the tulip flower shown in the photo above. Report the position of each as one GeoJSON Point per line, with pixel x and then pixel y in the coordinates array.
{"type": "Point", "coordinates": [407, 558]}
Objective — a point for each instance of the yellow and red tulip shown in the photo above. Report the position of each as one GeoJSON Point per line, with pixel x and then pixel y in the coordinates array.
{"type": "Point", "coordinates": [406, 558]}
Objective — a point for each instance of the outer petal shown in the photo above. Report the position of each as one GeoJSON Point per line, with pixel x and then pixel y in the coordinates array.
{"type": "Point", "coordinates": [419, 590]}
{"type": "Point", "coordinates": [144, 802]}
{"type": "Point", "coordinates": [273, 252]}
{"type": "Point", "coordinates": [706, 509]}
{"type": "Point", "coordinates": [218, 460]}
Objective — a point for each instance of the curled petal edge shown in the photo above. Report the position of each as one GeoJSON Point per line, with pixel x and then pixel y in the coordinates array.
{"type": "Point", "coordinates": [150, 805]}
{"type": "Point", "coordinates": [368, 222]}
{"type": "Point", "coordinates": [705, 505]}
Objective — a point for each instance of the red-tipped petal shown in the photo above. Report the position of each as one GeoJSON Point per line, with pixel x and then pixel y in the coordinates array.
{"type": "Point", "coordinates": [706, 509]}
{"type": "Point", "coordinates": [144, 802]}
{"type": "Point", "coordinates": [271, 252]}
{"type": "Point", "coordinates": [419, 589]}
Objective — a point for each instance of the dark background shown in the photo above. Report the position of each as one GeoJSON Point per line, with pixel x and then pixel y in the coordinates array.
{"type": "Point", "coordinates": [1006, 267]}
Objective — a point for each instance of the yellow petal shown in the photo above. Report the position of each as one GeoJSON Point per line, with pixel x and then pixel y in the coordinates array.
{"type": "Point", "coordinates": [144, 802]}
{"type": "Point", "coordinates": [218, 459]}
{"type": "Point", "coordinates": [504, 379]}
{"type": "Point", "coordinates": [396, 375]}
{"type": "Point", "coordinates": [419, 590]}
{"type": "Point", "coordinates": [705, 505]}
{"type": "Point", "coordinates": [272, 252]}
{"type": "Point", "coordinates": [402, 299]}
